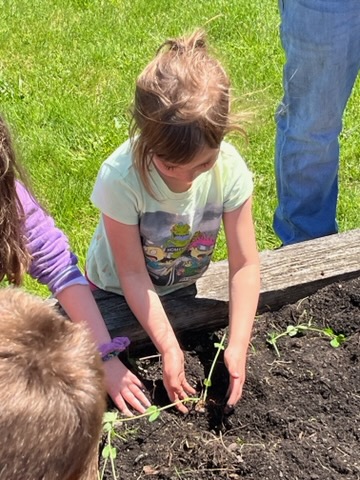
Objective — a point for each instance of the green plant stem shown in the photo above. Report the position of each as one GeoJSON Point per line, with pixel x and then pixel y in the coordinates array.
{"type": "Point", "coordinates": [103, 470]}
{"type": "Point", "coordinates": [147, 414]}
{"type": "Point", "coordinates": [220, 347]}
{"type": "Point", "coordinates": [111, 458]}
{"type": "Point", "coordinates": [276, 349]}
{"type": "Point", "coordinates": [317, 330]}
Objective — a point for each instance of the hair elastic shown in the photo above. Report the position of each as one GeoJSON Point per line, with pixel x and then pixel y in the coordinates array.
{"type": "Point", "coordinates": [113, 348]}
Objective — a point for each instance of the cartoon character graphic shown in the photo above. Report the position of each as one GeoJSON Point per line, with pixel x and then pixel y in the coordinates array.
{"type": "Point", "coordinates": [180, 258]}
{"type": "Point", "coordinates": [201, 246]}
{"type": "Point", "coordinates": [176, 245]}
{"type": "Point", "coordinates": [153, 253]}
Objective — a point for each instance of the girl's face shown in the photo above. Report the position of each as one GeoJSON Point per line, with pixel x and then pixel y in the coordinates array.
{"type": "Point", "coordinates": [179, 178]}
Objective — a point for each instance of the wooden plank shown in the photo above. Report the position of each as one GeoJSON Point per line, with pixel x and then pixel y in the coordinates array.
{"type": "Point", "coordinates": [293, 272]}
{"type": "Point", "coordinates": [287, 275]}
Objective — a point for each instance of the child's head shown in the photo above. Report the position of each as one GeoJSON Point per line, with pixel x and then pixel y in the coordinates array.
{"type": "Point", "coordinates": [182, 104]}
{"type": "Point", "coordinates": [14, 257]}
{"type": "Point", "coordinates": [51, 393]}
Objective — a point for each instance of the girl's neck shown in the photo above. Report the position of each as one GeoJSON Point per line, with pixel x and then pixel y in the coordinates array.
{"type": "Point", "coordinates": [176, 186]}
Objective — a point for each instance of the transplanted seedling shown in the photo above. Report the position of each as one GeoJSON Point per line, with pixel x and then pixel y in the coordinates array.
{"type": "Point", "coordinates": [109, 452]}
{"type": "Point", "coordinates": [335, 339]}
{"type": "Point", "coordinates": [200, 406]}
{"type": "Point", "coordinates": [112, 419]}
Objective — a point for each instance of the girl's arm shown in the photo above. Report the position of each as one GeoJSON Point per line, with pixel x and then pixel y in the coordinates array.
{"type": "Point", "coordinates": [122, 385]}
{"type": "Point", "coordinates": [244, 287]}
{"type": "Point", "coordinates": [145, 303]}
{"type": "Point", "coordinates": [54, 265]}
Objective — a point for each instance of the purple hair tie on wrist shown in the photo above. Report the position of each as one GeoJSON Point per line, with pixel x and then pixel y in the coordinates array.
{"type": "Point", "coordinates": [113, 348]}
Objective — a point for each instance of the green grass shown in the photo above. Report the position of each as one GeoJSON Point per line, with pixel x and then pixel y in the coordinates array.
{"type": "Point", "coordinates": [67, 71]}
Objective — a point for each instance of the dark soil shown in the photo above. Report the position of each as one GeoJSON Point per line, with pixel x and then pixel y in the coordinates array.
{"type": "Point", "coordinates": [299, 417]}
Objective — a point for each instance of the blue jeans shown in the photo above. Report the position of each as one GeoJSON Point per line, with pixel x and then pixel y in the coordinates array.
{"type": "Point", "coordinates": [321, 40]}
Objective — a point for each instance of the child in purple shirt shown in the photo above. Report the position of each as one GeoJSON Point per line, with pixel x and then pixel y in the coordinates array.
{"type": "Point", "coordinates": [31, 243]}
{"type": "Point", "coordinates": [52, 263]}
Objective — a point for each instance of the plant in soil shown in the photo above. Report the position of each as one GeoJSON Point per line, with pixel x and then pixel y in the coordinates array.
{"type": "Point", "coordinates": [292, 330]}
{"type": "Point", "coordinates": [109, 452]}
{"type": "Point", "coordinates": [111, 421]}
{"type": "Point", "coordinates": [200, 406]}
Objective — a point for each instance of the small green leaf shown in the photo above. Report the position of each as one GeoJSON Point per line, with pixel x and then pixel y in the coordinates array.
{"type": "Point", "coordinates": [152, 409]}
{"type": "Point", "coordinates": [105, 452]}
{"type": "Point", "coordinates": [207, 382]}
{"type": "Point", "coordinates": [292, 331]}
{"type": "Point", "coordinates": [219, 346]}
{"type": "Point", "coordinates": [338, 340]}
{"type": "Point", "coordinates": [109, 452]}
{"type": "Point", "coordinates": [113, 453]}
{"type": "Point", "coordinates": [328, 331]}
{"type": "Point", "coordinates": [154, 416]}
{"type": "Point", "coordinates": [107, 427]}
{"type": "Point", "coordinates": [110, 417]}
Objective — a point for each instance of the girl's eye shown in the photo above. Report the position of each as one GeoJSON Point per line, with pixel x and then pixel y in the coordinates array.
{"type": "Point", "coordinates": [169, 168]}
{"type": "Point", "coordinates": [205, 165]}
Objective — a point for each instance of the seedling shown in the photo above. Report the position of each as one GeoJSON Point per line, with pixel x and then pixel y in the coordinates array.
{"type": "Point", "coordinates": [109, 452]}
{"type": "Point", "coordinates": [207, 381]}
{"type": "Point", "coordinates": [111, 420]}
{"type": "Point", "coordinates": [335, 339]}
{"type": "Point", "coordinates": [153, 412]}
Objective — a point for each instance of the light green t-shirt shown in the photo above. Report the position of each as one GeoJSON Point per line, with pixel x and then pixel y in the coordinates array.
{"type": "Point", "coordinates": [178, 230]}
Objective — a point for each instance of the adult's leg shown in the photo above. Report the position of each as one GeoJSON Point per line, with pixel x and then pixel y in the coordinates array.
{"type": "Point", "coordinates": [321, 40]}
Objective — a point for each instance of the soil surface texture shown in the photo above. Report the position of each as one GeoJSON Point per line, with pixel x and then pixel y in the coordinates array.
{"type": "Point", "coordinates": [298, 419]}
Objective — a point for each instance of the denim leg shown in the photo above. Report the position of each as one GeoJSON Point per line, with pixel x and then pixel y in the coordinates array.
{"type": "Point", "coordinates": [321, 40]}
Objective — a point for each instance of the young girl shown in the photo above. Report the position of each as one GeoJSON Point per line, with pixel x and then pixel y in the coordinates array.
{"type": "Point", "coordinates": [162, 197]}
{"type": "Point", "coordinates": [30, 242]}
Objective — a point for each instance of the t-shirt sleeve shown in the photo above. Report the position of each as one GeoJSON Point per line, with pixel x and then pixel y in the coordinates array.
{"type": "Point", "coordinates": [53, 263]}
{"type": "Point", "coordinates": [238, 181]}
{"type": "Point", "coordinates": [115, 197]}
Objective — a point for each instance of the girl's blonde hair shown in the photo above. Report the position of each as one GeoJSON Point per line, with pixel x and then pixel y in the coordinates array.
{"type": "Point", "coordinates": [182, 104]}
{"type": "Point", "coordinates": [14, 257]}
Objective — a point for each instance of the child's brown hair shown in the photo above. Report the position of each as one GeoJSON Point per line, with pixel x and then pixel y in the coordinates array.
{"type": "Point", "coordinates": [14, 257]}
{"type": "Point", "coordinates": [52, 395]}
{"type": "Point", "coordinates": [182, 104]}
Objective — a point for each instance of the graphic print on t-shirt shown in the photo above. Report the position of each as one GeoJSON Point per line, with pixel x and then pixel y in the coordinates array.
{"type": "Point", "coordinates": [178, 248]}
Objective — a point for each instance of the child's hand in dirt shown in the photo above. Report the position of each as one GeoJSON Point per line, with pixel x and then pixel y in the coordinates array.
{"type": "Point", "coordinates": [235, 361]}
{"type": "Point", "coordinates": [174, 379]}
{"type": "Point", "coordinates": [124, 387]}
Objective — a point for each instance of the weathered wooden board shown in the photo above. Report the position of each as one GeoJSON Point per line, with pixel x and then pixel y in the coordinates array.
{"type": "Point", "coordinates": [293, 272]}
{"type": "Point", "coordinates": [287, 275]}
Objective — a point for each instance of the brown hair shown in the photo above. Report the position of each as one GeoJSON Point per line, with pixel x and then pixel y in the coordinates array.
{"type": "Point", "coordinates": [182, 104]}
{"type": "Point", "coordinates": [52, 395]}
{"type": "Point", "coordinates": [14, 257]}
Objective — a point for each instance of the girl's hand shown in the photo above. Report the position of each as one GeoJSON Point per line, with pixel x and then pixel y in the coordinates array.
{"type": "Point", "coordinates": [174, 379]}
{"type": "Point", "coordinates": [124, 387]}
{"type": "Point", "coordinates": [235, 361]}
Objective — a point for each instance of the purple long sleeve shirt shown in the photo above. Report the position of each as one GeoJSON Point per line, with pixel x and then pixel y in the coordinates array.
{"type": "Point", "coordinates": [53, 264]}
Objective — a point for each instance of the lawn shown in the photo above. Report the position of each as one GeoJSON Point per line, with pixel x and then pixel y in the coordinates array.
{"type": "Point", "coordinates": [67, 71]}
